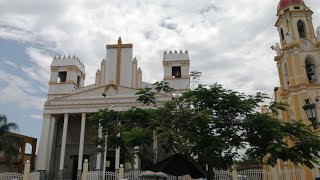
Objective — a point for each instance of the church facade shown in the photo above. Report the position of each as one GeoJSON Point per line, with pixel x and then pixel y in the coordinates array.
{"type": "Point", "coordinates": [67, 136]}
{"type": "Point", "coordinates": [298, 63]}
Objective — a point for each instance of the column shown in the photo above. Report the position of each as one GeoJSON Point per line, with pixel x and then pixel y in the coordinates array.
{"type": "Point", "coordinates": [117, 162]}
{"type": "Point", "coordinates": [136, 159]}
{"type": "Point", "coordinates": [33, 153]}
{"type": "Point", "coordinates": [155, 147]}
{"type": "Point", "coordinates": [63, 145]}
{"type": "Point", "coordinates": [23, 153]}
{"type": "Point", "coordinates": [275, 172]}
{"type": "Point", "coordinates": [98, 165]}
{"type": "Point", "coordinates": [43, 147]}
{"type": "Point", "coordinates": [117, 159]}
{"type": "Point", "coordinates": [50, 143]}
{"type": "Point", "coordinates": [83, 127]}
{"type": "Point", "coordinates": [105, 156]}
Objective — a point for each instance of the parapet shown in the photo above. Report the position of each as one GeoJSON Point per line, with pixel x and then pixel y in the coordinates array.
{"type": "Point", "coordinates": [176, 56]}
{"type": "Point", "coordinates": [68, 61]}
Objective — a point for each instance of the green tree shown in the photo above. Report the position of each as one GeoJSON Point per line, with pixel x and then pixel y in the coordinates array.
{"type": "Point", "coordinates": [211, 126]}
{"type": "Point", "coordinates": [9, 144]}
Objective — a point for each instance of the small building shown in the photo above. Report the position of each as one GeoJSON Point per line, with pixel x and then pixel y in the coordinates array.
{"type": "Point", "coordinates": [19, 161]}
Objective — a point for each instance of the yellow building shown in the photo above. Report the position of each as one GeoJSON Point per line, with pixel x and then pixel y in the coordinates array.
{"type": "Point", "coordinates": [298, 60]}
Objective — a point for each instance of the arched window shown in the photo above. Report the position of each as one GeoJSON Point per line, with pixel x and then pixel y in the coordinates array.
{"type": "Point", "coordinates": [311, 70]}
{"type": "Point", "coordinates": [282, 34]}
{"type": "Point", "coordinates": [301, 29]}
{"type": "Point", "coordinates": [286, 76]}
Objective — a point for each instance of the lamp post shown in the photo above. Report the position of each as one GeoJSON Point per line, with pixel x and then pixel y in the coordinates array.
{"type": "Point", "coordinates": [310, 109]}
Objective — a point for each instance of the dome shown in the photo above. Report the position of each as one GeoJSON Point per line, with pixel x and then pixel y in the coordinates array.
{"type": "Point", "coordinates": [285, 3]}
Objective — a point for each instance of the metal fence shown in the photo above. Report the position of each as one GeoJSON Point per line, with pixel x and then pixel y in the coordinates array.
{"type": "Point", "coordinates": [130, 175]}
{"type": "Point", "coordinates": [10, 176]}
{"type": "Point", "coordinates": [254, 174]}
{"type": "Point", "coordinates": [292, 174]}
{"type": "Point", "coordinates": [247, 174]}
{"type": "Point", "coordinates": [223, 175]}
{"type": "Point", "coordinates": [100, 175]}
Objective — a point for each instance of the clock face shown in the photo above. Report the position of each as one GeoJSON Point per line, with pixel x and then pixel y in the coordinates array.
{"type": "Point", "coordinates": [306, 45]}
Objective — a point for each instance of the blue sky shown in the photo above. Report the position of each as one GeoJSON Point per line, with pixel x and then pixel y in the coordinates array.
{"type": "Point", "coordinates": [22, 96]}
{"type": "Point", "coordinates": [228, 41]}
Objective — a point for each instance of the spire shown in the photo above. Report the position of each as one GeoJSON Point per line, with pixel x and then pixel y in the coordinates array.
{"type": "Point", "coordinates": [135, 59]}
{"type": "Point", "coordinates": [119, 40]}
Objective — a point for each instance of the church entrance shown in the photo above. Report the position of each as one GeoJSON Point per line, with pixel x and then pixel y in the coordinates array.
{"type": "Point", "coordinates": [110, 160]}
{"type": "Point", "coordinates": [75, 159]}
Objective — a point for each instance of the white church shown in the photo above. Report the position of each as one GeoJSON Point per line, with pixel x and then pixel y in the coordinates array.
{"type": "Point", "coordinates": [67, 136]}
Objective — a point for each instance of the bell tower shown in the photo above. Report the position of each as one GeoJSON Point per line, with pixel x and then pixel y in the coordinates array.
{"type": "Point", "coordinates": [294, 21]}
{"type": "Point", "coordinates": [67, 75]}
{"type": "Point", "coordinates": [176, 67]}
{"type": "Point", "coordinates": [298, 62]}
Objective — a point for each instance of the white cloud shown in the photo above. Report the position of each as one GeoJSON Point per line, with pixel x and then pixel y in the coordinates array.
{"type": "Point", "coordinates": [36, 116]}
{"type": "Point", "coordinates": [40, 68]}
{"type": "Point", "coordinates": [228, 41]}
{"type": "Point", "coordinates": [6, 62]}
{"type": "Point", "coordinates": [20, 91]}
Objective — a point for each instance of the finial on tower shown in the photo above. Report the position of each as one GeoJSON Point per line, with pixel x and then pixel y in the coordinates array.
{"type": "Point", "coordinates": [135, 59]}
{"type": "Point", "coordinates": [119, 40]}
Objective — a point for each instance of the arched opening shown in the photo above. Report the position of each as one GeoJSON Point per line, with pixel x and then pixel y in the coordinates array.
{"type": "Point", "coordinates": [282, 34]}
{"type": "Point", "coordinates": [286, 76]}
{"type": "Point", "coordinates": [301, 29]}
{"type": "Point", "coordinates": [62, 76]}
{"type": "Point", "coordinates": [176, 71]}
{"type": "Point", "coordinates": [28, 149]}
{"type": "Point", "coordinates": [311, 70]}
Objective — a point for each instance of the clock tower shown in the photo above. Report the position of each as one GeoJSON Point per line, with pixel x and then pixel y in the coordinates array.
{"type": "Point", "coordinates": [298, 60]}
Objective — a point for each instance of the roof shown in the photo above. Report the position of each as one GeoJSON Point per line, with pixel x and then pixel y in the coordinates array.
{"type": "Point", "coordinates": [285, 3]}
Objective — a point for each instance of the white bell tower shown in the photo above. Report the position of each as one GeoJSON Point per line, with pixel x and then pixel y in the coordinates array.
{"type": "Point", "coordinates": [176, 69]}
{"type": "Point", "coordinates": [67, 75]}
